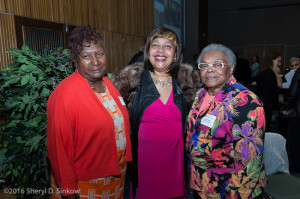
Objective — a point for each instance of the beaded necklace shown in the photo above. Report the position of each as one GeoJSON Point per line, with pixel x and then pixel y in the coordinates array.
{"type": "Point", "coordinates": [161, 83]}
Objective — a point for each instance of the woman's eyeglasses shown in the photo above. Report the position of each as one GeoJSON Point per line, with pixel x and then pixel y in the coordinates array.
{"type": "Point", "coordinates": [217, 65]}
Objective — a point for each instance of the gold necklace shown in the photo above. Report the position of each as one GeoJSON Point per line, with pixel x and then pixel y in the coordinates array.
{"type": "Point", "coordinates": [94, 89]}
{"type": "Point", "coordinates": [159, 82]}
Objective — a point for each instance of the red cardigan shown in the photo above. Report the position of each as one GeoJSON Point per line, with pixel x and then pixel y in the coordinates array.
{"type": "Point", "coordinates": [81, 141]}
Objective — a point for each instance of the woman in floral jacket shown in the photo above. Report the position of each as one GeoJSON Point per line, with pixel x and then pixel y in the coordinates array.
{"type": "Point", "coordinates": [225, 132]}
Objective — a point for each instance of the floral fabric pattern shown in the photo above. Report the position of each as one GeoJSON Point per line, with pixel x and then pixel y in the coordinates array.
{"type": "Point", "coordinates": [225, 144]}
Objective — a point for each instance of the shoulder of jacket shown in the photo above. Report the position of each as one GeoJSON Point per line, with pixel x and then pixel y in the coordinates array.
{"type": "Point", "coordinates": [189, 80]}
{"type": "Point", "coordinates": [127, 80]}
{"type": "Point", "coordinates": [128, 76]}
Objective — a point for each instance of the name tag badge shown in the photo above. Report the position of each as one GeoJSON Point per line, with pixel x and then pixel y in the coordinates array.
{"type": "Point", "coordinates": [122, 101]}
{"type": "Point", "coordinates": [208, 120]}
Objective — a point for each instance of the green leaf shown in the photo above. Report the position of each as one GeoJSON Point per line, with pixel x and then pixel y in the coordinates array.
{"type": "Point", "coordinates": [32, 79]}
{"type": "Point", "coordinates": [32, 123]}
{"type": "Point", "coordinates": [48, 69]}
{"type": "Point", "coordinates": [11, 81]}
{"type": "Point", "coordinates": [12, 123]}
{"type": "Point", "coordinates": [66, 52]}
{"type": "Point", "coordinates": [22, 60]}
{"type": "Point", "coordinates": [5, 70]}
{"type": "Point", "coordinates": [8, 173]}
{"type": "Point", "coordinates": [3, 151]}
{"type": "Point", "coordinates": [15, 172]}
{"type": "Point", "coordinates": [28, 67]}
{"type": "Point", "coordinates": [35, 107]}
{"type": "Point", "coordinates": [25, 99]}
{"type": "Point", "coordinates": [25, 80]}
{"type": "Point", "coordinates": [25, 49]}
{"type": "Point", "coordinates": [27, 110]}
{"type": "Point", "coordinates": [45, 92]}
{"type": "Point", "coordinates": [19, 139]}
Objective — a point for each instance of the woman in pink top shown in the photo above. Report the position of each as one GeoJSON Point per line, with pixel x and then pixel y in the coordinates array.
{"type": "Point", "coordinates": [158, 115]}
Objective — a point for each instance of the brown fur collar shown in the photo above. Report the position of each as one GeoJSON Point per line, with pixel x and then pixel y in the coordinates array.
{"type": "Point", "coordinates": [127, 80]}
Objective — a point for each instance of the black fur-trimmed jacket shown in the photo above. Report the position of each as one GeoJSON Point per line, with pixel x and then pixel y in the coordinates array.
{"type": "Point", "coordinates": [138, 90]}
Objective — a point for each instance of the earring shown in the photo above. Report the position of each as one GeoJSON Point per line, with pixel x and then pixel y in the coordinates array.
{"type": "Point", "coordinates": [174, 58]}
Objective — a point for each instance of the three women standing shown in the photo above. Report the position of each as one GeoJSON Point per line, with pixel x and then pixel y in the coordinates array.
{"type": "Point", "coordinates": [87, 130]}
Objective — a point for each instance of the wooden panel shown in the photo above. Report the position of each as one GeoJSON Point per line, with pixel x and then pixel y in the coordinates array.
{"type": "Point", "coordinates": [74, 11]}
{"type": "Point", "coordinates": [131, 46]}
{"type": "Point", "coordinates": [100, 20]}
{"type": "Point", "coordinates": [80, 11]}
{"type": "Point", "coordinates": [57, 11]}
{"type": "Point", "coordinates": [141, 17]}
{"type": "Point", "coordinates": [149, 18]}
{"type": "Point", "coordinates": [134, 26]}
{"type": "Point", "coordinates": [250, 51]}
{"type": "Point", "coordinates": [90, 12]}
{"type": "Point", "coordinates": [7, 38]}
{"type": "Point", "coordinates": [124, 17]}
{"type": "Point", "coordinates": [18, 7]}
{"type": "Point", "coordinates": [107, 37]}
{"type": "Point", "coordinates": [2, 6]}
{"type": "Point", "coordinates": [115, 13]}
{"type": "Point", "coordinates": [117, 52]}
{"type": "Point", "coordinates": [132, 19]}
{"type": "Point", "coordinates": [42, 9]}
{"type": "Point", "coordinates": [114, 50]}
{"type": "Point", "coordinates": [66, 11]}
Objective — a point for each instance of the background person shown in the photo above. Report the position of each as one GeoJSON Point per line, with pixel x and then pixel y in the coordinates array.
{"type": "Point", "coordinates": [88, 125]}
{"type": "Point", "coordinates": [225, 132]}
{"type": "Point", "coordinates": [242, 70]}
{"type": "Point", "coordinates": [294, 65]}
{"type": "Point", "coordinates": [138, 57]}
{"type": "Point", "coordinates": [254, 66]}
{"type": "Point", "coordinates": [158, 110]}
{"type": "Point", "coordinates": [267, 88]}
{"type": "Point", "coordinates": [291, 110]}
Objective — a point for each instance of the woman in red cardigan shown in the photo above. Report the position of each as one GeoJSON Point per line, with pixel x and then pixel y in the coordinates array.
{"type": "Point", "coordinates": [88, 141]}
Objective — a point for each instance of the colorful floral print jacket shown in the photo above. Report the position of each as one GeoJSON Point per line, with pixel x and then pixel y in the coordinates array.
{"type": "Point", "coordinates": [225, 144]}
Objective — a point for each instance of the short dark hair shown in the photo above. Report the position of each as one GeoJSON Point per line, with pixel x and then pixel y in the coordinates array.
{"type": "Point", "coordinates": [169, 34]}
{"type": "Point", "coordinates": [79, 35]}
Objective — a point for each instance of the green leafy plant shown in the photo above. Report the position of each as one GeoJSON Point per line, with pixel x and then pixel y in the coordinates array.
{"type": "Point", "coordinates": [25, 88]}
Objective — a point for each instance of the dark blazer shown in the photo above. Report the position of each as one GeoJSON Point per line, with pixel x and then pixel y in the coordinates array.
{"type": "Point", "coordinates": [267, 88]}
{"type": "Point", "coordinates": [292, 99]}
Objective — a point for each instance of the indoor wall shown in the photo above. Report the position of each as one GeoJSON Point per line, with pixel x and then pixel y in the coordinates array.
{"type": "Point", "coordinates": [124, 24]}
{"type": "Point", "coordinates": [256, 23]}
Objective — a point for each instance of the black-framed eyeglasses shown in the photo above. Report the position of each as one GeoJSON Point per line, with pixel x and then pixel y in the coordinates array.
{"type": "Point", "coordinates": [217, 65]}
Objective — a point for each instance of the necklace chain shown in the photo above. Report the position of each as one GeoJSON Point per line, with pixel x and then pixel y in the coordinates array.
{"type": "Point", "coordinates": [161, 83]}
{"type": "Point", "coordinates": [94, 89]}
